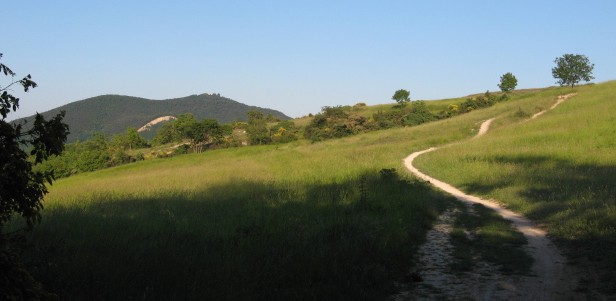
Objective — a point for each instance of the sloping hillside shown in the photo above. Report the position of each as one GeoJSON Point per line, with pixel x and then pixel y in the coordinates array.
{"type": "Point", "coordinates": [558, 170]}
{"type": "Point", "coordinates": [328, 220]}
{"type": "Point", "coordinates": [114, 113]}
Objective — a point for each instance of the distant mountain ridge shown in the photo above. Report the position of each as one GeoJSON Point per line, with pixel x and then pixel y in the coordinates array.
{"type": "Point", "coordinates": [112, 114]}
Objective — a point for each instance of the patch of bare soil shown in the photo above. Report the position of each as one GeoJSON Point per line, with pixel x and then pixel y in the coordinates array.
{"type": "Point", "coordinates": [158, 120]}
{"type": "Point", "coordinates": [433, 279]}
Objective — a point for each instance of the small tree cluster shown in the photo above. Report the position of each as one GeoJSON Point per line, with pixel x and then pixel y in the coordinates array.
{"type": "Point", "coordinates": [96, 153]}
{"type": "Point", "coordinates": [481, 101]}
{"type": "Point", "coordinates": [259, 132]}
{"type": "Point", "coordinates": [335, 122]}
{"type": "Point", "coordinates": [472, 103]}
{"type": "Point", "coordinates": [199, 134]}
{"type": "Point", "coordinates": [129, 140]}
{"type": "Point", "coordinates": [339, 121]}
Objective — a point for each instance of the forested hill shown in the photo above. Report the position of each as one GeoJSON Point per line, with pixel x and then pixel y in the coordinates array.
{"type": "Point", "coordinates": [114, 113]}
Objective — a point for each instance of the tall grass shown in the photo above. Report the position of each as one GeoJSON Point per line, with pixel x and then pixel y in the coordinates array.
{"type": "Point", "coordinates": [247, 240]}
{"type": "Point", "coordinates": [558, 169]}
{"type": "Point", "coordinates": [298, 221]}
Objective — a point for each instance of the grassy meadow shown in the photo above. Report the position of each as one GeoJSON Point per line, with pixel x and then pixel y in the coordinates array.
{"type": "Point", "coordinates": [320, 221]}
{"type": "Point", "coordinates": [558, 169]}
{"type": "Point", "coordinates": [297, 221]}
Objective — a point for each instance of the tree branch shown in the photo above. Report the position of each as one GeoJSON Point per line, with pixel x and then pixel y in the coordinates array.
{"type": "Point", "coordinates": [7, 87]}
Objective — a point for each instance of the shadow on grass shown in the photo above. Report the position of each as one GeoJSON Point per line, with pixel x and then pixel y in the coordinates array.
{"type": "Point", "coordinates": [578, 202]}
{"type": "Point", "coordinates": [239, 241]}
{"type": "Point", "coordinates": [494, 240]}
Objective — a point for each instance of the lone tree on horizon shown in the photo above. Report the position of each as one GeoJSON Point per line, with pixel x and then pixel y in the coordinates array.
{"type": "Point", "coordinates": [402, 97]}
{"type": "Point", "coordinates": [571, 69]}
{"type": "Point", "coordinates": [508, 82]}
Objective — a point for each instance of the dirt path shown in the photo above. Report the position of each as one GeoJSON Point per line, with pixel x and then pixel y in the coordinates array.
{"type": "Point", "coordinates": [483, 129]}
{"type": "Point", "coordinates": [560, 99]}
{"type": "Point", "coordinates": [552, 279]}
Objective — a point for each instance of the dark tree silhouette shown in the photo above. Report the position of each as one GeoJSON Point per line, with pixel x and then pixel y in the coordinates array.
{"type": "Point", "coordinates": [21, 188]}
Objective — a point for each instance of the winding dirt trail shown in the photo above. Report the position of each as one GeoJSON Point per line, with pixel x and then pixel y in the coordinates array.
{"type": "Point", "coordinates": [552, 279]}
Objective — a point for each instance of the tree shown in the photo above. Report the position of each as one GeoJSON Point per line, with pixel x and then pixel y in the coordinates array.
{"type": "Point", "coordinates": [21, 188]}
{"type": "Point", "coordinates": [129, 140]}
{"type": "Point", "coordinates": [204, 132]}
{"type": "Point", "coordinates": [402, 97]}
{"type": "Point", "coordinates": [508, 82]}
{"type": "Point", "coordinates": [184, 125]}
{"type": "Point", "coordinates": [166, 134]}
{"type": "Point", "coordinates": [94, 153]}
{"type": "Point", "coordinates": [571, 69]}
{"type": "Point", "coordinates": [257, 128]}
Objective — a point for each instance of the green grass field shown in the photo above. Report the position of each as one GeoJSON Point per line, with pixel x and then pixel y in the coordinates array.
{"type": "Point", "coordinates": [558, 169]}
{"type": "Point", "coordinates": [301, 221]}
{"type": "Point", "coordinates": [296, 221]}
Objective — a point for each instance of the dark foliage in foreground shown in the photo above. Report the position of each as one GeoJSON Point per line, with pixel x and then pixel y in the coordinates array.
{"type": "Point", "coordinates": [21, 188]}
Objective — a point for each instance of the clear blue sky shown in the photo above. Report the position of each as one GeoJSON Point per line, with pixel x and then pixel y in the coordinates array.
{"type": "Point", "coordinates": [296, 56]}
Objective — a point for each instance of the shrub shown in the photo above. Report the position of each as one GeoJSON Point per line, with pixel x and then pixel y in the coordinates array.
{"type": "Point", "coordinates": [284, 131]}
{"type": "Point", "coordinates": [182, 149]}
{"type": "Point", "coordinates": [419, 114]}
{"type": "Point", "coordinates": [386, 120]}
{"type": "Point", "coordinates": [332, 122]}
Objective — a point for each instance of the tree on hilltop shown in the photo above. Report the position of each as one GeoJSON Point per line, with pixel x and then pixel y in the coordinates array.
{"type": "Point", "coordinates": [571, 69]}
{"type": "Point", "coordinates": [402, 97]}
{"type": "Point", "coordinates": [508, 82]}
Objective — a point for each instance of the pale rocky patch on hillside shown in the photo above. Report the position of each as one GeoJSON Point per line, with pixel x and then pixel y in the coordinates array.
{"type": "Point", "coordinates": [149, 125]}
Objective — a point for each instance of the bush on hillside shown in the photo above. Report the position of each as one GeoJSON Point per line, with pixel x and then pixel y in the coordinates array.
{"type": "Point", "coordinates": [90, 155]}
{"type": "Point", "coordinates": [284, 132]}
{"type": "Point", "coordinates": [335, 122]}
{"type": "Point", "coordinates": [419, 114]}
{"type": "Point", "coordinates": [472, 103]}
{"type": "Point", "coordinates": [389, 119]}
